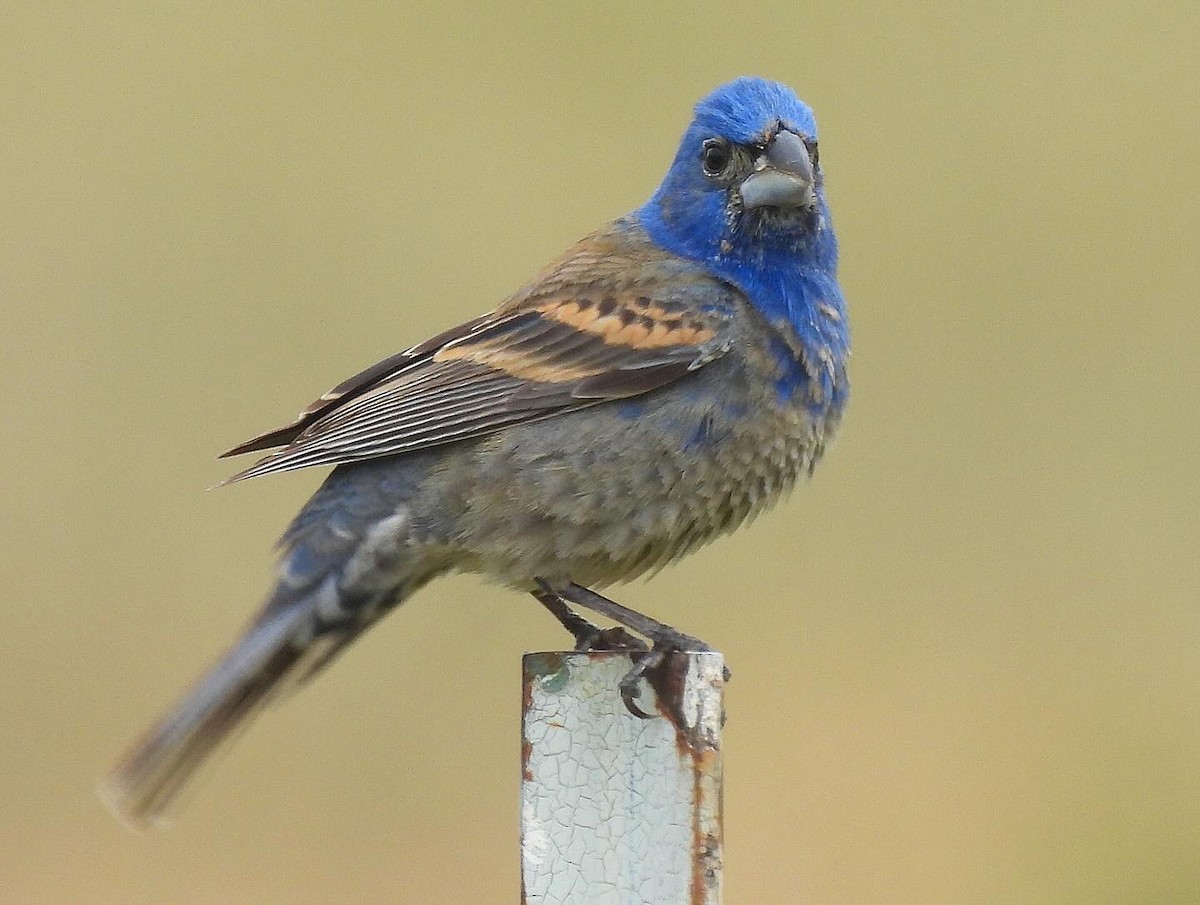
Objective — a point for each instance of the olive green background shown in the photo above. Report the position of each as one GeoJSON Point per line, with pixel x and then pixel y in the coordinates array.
{"type": "Point", "coordinates": [966, 656]}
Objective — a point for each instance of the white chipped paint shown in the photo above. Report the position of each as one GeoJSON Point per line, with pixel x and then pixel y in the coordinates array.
{"type": "Point", "coordinates": [612, 804]}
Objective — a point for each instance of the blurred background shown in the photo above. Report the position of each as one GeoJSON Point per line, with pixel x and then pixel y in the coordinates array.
{"type": "Point", "coordinates": [965, 656]}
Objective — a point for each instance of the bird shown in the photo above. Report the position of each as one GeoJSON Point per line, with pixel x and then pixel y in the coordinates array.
{"type": "Point", "coordinates": [664, 380]}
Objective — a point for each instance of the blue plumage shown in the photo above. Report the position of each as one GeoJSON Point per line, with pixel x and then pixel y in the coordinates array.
{"type": "Point", "coordinates": [664, 380]}
{"type": "Point", "coordinates": [787, 273]}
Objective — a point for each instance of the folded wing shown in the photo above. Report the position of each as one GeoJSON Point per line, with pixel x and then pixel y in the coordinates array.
{"type": "Point", "coordinates": [542, 354]}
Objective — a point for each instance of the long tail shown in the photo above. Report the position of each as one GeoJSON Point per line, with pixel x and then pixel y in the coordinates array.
{"type": "Point", "coordinates": [270, 656]}
{"type": "Point", "coordinates": [345, 564]}
{"type": "Point", "coordinates": [284, 648]}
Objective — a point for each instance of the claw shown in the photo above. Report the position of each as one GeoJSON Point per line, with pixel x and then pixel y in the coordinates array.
{"type": "Point", "coordinates": [630, 694]}
{"type": "Point", "coordinates": [664, 639]}
{"type": "Point", "coordinates": [630, 685]}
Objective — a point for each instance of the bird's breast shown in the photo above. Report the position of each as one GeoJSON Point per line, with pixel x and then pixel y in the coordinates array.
{"type": "Point", "coordinates": [620, 489]}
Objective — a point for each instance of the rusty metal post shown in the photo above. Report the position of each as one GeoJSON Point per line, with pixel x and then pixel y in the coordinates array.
{"type": "Point", "coordinates": [618, 810]}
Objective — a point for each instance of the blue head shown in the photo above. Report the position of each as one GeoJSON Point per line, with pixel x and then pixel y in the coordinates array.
{"type": "Point", "coordinates": [745, 197]}
{"type": "Point", "coordinates": [746, 182]}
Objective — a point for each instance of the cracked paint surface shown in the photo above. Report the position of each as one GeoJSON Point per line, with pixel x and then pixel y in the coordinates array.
{"type": "Point", "coordinates": [617, 809]}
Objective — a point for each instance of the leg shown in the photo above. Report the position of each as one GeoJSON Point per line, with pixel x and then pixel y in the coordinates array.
{"type": "Point", "coordinates": [587, 636]}
{"type": "Point", "coordinates": [658, 632]}
{"type": "Point", "coordinates": [664, 638]}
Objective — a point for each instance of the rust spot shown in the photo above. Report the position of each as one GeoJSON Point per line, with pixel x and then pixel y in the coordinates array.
{"type": "Point", "coordinates": [527, 680]}
{"type": "Point", "coordinates": [706, 861]}
{"type": "Point", "coordinates": [668, 682]}
{"type": "Point", "coordinates": [707, 852]}
{"type": "Point", "coordinates": [526, 752]}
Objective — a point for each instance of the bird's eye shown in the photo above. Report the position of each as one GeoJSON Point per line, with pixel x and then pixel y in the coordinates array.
{"type": "Point", "coordinates": [716, 156]}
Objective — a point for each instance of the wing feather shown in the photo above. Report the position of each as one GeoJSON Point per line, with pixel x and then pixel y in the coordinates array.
{"type": "Point", "coordinates": [557, 347]}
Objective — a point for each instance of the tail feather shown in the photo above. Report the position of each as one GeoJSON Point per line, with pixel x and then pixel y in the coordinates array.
{"type": "Point", "coordinates": [274, 653]}
{"type": "Point", "coordinates": [345, 563]}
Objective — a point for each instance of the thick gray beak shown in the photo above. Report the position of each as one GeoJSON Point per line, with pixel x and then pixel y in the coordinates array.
{"type": "Point", "coordinates": [783, 175]}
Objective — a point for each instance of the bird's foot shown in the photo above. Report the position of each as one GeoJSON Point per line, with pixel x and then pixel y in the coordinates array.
{"type": "Point", "coordinates": [664, 640]}
{"type": "Point", "coordinates": [649, 665]}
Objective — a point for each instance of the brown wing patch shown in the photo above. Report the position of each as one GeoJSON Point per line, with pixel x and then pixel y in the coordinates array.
{"type": "Point", "coordinates": [515, 361]}
{"type": "Point", "coordinates": [613, 319]}
{"type": "Point", "coordinates": [637, 323]}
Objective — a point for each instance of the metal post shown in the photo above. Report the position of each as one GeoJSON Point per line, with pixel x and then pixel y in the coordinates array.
{"type": "Point", "coordinates": [618, 810]}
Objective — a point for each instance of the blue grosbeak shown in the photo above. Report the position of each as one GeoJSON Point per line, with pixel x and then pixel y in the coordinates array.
{"type": "Point", "coordinates": [668, 377]}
